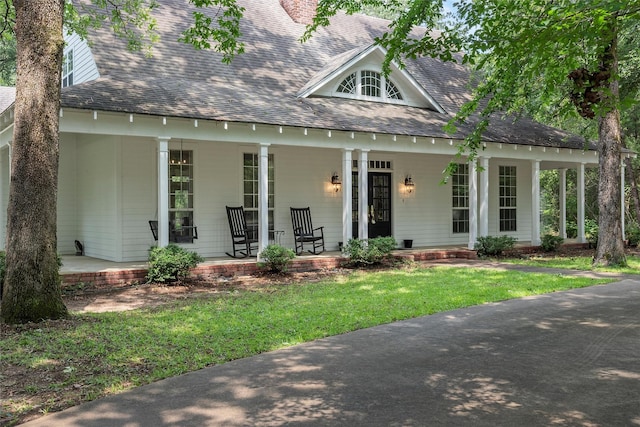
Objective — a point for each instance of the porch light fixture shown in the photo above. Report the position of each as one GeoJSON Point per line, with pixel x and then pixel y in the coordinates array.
{"type": "Point", "coordinates": [335, 181]}
{"type": "Point", "coordinates": [408, 184]}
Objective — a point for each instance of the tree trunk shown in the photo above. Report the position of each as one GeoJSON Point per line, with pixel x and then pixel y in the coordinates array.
{"type": "Point", "coordinates": [610, 249]}
{"type": "Point", "coordinates": [32, 284]}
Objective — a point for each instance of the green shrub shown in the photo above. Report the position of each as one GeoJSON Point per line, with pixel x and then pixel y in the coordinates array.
{"type": "Point", "coordinates": [633, 234]}
{"type": "Point", "coordinates": [368, 252]}
{"type": "Point", "coordinates": [591, 231]}
{"type": "Point", "coordinates": [170, 263]}
{"type": "Point", "coordinates": [572, 229]}
{"type": "Point", "coordinates": [493, 245]}
{"type": "Point", "coordinates": [276, 258]}
{"type": "Point", "coordinates": [551, 242]}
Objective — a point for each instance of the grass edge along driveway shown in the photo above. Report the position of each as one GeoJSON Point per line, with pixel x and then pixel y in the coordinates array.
{"type": "Point", "coordinates": [53, 365]}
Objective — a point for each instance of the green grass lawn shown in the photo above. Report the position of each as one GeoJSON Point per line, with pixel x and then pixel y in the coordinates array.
{"type": "Point", "coordinates": [576, 263]}
{"type": "Point", "coordinates": [93, 355]}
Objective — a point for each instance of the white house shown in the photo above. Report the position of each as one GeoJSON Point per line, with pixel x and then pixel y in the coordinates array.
{"type": "Point", "coordinates": [179, 136]}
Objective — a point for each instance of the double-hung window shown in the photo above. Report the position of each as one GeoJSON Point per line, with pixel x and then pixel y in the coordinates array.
{"type": "Point", "coordinates": [250, 192]}
{"type": "Point", "coordinates": [507, 203]}
{"type": "Point", "coordinates": [460, 198]}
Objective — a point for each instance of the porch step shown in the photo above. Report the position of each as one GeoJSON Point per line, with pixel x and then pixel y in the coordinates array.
{"type": "Point", "coordinates": [233, 267]}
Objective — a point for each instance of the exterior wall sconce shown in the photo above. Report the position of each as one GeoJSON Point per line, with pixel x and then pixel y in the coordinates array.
{"type": "Point", "coordinates": [408, 184]}
{"type": "Point", "coordinates": [335, 181]}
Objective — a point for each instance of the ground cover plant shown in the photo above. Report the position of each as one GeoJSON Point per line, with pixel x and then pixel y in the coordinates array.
{"type": "Point", "coordinates": [52, 365]}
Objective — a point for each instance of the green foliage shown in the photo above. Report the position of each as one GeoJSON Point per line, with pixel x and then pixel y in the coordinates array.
{"type": "Point", "coordinates": [633, 234]}
{"type": "Point", "coordinates": [368, 252]}
{"type": "Point", "coordinates": [276, 258]}
{"type": "Point", "coordinates": [170, 263]}
{"type": "Point", "coordinates": [493, 245]}
{"type": "Point", "coordinates": [551, 242]}
{"type": "Point", "coordinates": [591, 231]}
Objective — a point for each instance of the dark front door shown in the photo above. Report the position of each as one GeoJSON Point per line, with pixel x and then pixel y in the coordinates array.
{"type": "Point", "coordinates": [378, 202]}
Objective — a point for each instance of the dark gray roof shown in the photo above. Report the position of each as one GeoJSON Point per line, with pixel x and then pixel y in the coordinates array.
{"type": "Point", "coordinates": [261, 85]}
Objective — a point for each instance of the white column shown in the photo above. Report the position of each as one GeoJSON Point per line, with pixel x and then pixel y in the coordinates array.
{"type": "Point", "coordinates": [163, 191]}
{"type": "Point", "coordinates": [483, 228]}
{"type": "Point", "coordinates": [263, 198]}
{"type": "Point", "coordinates": [473, 204]}
{"type": "Point", "coordinates": [622, 207]}
{"type": "Point", "coordinates": [580, 220]}
{"type": "Point", "coordinates": [347, 208]}
{"type": "Point", "coordinates": [562, 173]}
{"type": "Point", "coordinates": [363, 195]}
{"type": "Point", "coordinates": [535, 202]}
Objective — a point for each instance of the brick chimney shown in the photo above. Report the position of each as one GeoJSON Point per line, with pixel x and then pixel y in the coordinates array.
{"type": "Point", "coordinates": [301, 11]}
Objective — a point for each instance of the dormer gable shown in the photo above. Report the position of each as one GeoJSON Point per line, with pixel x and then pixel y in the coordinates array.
{"type": "Point", "coordinates": [357, 74]}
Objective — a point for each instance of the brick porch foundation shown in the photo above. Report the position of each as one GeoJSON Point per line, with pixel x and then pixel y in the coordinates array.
{"type": "Point", "coordinates": [300, 264]}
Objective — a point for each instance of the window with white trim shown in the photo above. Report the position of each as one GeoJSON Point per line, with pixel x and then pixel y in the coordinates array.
{"type": "Point", "coordinates": [67, 68]}
{"type": "Point", "coordinates": [369, 84]}
{"type": "Point", "coordinates": [507, 202]}
{"type": "Point", "coordinates": [460, 198]}
{"type": "Point", "coordinates": [250, 191]}
{"type": "Point", "coordinates": [181, 196]}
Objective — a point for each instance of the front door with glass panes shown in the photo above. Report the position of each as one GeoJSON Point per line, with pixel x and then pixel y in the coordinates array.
{"type": "Point", "coordinates": [378, 204]}
{"type": "Point", "coordinates": [181, 221]}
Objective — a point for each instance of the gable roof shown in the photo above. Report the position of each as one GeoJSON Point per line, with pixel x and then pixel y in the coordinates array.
{"type": "Point", "coordinates": [263, 84]}
{"type": "Point", "coordinates": [7, 97]}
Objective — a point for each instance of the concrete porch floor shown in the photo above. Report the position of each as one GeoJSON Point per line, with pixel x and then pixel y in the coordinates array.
{"type": "Point", "coordinates": [83, 269]}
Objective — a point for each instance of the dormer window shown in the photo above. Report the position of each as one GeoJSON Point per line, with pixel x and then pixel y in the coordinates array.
{"type": "Point", "coordinates": [368, 84]}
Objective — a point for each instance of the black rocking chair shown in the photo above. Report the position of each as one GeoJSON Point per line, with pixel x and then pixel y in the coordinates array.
{"type": "Point", "coordinates": [303, 231]}
{"type": "Point", "coordinates": [186, 234]}
{"type": "Point", "coordinates": [243, 240]}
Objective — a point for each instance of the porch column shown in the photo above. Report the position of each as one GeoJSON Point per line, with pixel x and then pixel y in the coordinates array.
{"type": "Point", "coordinates": [484, 197]}
{"type": "Point", "coordinates": [580, 219]}
{"type": "Point", "coordinates": [562, 228]}
{"type": "Point", "coordinates": [535, 202]}
{"type": "Point", "coordinates": [473, 204]}
{"type": "Point", "coordinates": [263, 198]}
{"type": "Point", "coordinates": [622, 208]}
{"type": "Point", "coordinates": [163, 191]}
{"type": "Point", "coordinates": [363, 195]}
{"type": "Point", "coordinates": [347, 208]}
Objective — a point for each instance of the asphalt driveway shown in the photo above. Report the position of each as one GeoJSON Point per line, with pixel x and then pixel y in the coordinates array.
{"type": "Point", "coordinates": [567, 359]}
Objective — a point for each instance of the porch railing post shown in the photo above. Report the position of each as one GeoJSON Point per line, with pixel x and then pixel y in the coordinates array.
{"type": "Point", "coordinates": [263, 195]}
{"type": "Point", "coordinates": [473, 204]}
{"type": "Point", "coordinates": [163, 191]}
{"type": "Point", "coordinates": [363, 195]}
{"type": "Point", "coordinates": [347, 201]}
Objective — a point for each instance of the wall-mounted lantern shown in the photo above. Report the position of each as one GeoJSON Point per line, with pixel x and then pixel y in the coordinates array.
{"type": "Point", "coordinates": [335, 181]}
{"type": "Point", "coordinates": [408, 184]}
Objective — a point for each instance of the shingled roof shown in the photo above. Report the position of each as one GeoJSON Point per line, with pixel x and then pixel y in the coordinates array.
{"type": "Point", "coordinates": [261, 85]}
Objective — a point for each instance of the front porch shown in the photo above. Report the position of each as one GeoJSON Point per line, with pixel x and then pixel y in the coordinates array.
{"type": "Point", "coordinates": [98, 272]}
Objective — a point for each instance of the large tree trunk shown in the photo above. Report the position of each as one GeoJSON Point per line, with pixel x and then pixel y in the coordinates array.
{"type": "Point", "coordinates": [32, 285]}
{"type": "Point", "coordinates": [610, 249]}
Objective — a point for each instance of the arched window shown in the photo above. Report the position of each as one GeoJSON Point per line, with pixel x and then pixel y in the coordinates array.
{"type": "Point", "coordinates": [369, 84]}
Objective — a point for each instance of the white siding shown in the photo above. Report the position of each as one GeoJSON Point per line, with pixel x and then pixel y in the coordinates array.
{"type": "Point", "coordinates": [97, 214]}
{"type": "Point", "coordinates": [84, 66]}
{"type": "Point", "coordinates": [67, 200]}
